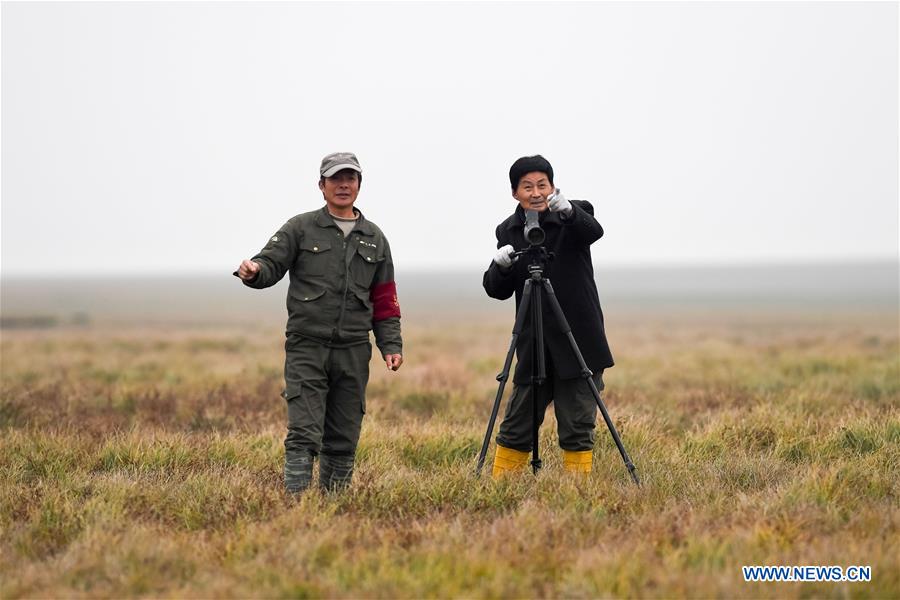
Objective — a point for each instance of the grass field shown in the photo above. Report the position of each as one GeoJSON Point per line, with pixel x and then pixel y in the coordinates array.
{"type": "Point", "coordinates": [147, 462]}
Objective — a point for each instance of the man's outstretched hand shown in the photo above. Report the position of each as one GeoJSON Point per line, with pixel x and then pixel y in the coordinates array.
{"type": "Point", "coordinates": [393, 361]}
{"type": "Point", "coordinates": [248, 270]}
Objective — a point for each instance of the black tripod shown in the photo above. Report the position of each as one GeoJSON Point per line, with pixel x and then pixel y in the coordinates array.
{"type": "Point", "coordinates": [531, 298]}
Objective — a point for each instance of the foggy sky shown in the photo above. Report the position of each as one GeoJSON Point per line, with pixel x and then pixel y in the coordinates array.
{"type": "Point", "coordinates": [160, 137]}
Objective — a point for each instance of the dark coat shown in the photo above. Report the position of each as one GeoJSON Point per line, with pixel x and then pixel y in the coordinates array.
{"type": "Point", "coordinates": [571, 274]}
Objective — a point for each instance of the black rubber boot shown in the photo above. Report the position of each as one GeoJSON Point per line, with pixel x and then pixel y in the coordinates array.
{"type": "Point", "coordinates": [335, 472]}
{"type": "Point", "coordinates": [298, 467]}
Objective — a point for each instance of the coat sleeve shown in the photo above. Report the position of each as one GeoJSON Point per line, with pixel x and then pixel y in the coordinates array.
{"type": "Point", "coordinates": [276, 257]}
{"type": "Point", "coordinates": [498, 282]}
{"type": "Point", "coordinates": [386, 307]}
{"type": "Point", "coordinates": [582, 223]}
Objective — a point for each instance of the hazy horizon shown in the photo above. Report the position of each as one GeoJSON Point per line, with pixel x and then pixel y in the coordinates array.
{"type": "Point", "coordinates": [599, 265]}
{"type": "Point", "coordinates": [752, 291]}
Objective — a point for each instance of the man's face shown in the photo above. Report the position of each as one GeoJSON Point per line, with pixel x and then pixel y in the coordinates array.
{"type": "Point", "coordinates": [533, 190]}
{"type": "Point", "coordinates": [341, 189]}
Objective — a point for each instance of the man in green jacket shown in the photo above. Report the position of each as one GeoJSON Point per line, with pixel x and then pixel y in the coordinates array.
{"type": "Point", "coordinates": [341, 287]}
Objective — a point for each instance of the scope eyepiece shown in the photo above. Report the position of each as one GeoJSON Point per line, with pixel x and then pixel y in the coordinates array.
{"type": "Point", "coordinates": [534, 234]}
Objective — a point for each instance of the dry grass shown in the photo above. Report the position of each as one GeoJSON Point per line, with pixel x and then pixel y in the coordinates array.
{"type": "Point", "coordinates": [147, 463]}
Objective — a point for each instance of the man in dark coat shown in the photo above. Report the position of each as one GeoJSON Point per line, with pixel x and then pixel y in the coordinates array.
{"type": "Point", "coordinates": [570, 230]}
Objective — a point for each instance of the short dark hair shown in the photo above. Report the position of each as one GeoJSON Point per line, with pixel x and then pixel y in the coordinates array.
{"type": "Point", "coordinates": [528, 164]}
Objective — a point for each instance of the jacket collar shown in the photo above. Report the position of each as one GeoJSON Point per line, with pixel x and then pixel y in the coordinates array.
{"type": "Point", "coordinates": [324, 219]}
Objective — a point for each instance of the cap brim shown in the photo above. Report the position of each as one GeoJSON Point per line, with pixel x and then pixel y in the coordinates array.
{"type": "Point", "coordinates": [337, 168]}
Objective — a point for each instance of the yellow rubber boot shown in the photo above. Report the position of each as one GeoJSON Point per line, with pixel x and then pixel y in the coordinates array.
{"type": "Point", "coordinates": [578, 461]}
{"type": "Point", "coordinates": [507, 460]}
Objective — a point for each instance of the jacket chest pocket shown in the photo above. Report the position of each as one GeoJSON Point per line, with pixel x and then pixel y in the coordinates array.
{"type": "Point", "coordinates": [364, 263]}
{"type": "Point", "coordinates": [315, 257]}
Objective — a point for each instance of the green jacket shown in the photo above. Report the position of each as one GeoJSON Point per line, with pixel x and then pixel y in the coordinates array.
{"type": "Point", "coordinates": [341, 288]}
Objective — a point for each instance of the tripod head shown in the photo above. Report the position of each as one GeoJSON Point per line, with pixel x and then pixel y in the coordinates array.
{"type": "Point", "coordinates": [537, 257]}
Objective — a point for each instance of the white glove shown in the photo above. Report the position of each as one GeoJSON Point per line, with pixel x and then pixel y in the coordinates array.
{"type": "Point", "coordinates": [558, 203]}
{"type": "Point", "coordinates": [504, 256]}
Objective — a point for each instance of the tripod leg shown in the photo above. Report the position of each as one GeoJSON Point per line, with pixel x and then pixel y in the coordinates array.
{"type": "Point", "coordinates": [504, 375]}
{"type": "Point", "coordinates": [537, 381]}
{"type": "Point", "coordinates": [586, 373]}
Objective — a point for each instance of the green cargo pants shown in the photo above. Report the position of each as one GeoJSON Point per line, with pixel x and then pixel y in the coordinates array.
{"type": "Point", "coordinates": [576, 413]}
{"type": "Point", "coordinates": [326, 396]}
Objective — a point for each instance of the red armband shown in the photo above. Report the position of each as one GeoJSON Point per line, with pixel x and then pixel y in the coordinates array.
{"type": "Point", "coordinates": [384, 301]}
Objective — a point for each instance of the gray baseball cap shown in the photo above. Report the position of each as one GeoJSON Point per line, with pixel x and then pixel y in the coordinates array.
{"type": "Point", "coordinates": [338, 161]}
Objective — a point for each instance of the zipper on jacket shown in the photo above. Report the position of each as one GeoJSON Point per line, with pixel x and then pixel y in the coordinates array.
{"type": "Point", "coordinates": [340, 322]}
